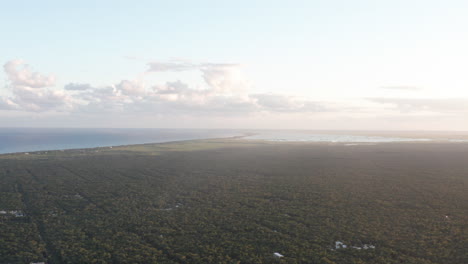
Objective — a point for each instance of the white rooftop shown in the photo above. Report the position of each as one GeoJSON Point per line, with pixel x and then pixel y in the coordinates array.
{"type": "Point", "coordinates": [278, 255]}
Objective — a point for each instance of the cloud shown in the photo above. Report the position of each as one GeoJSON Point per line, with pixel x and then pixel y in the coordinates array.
{"type": "Point", "coordinates": [401, 87]}
{"type": "Point", "coordinates": [224, 78]}
{"type": "Point", "coordinates": [182, 65]}
{"type": "Point", "coordinates": [225, 88]}
{"type": "Point", "coordinates": [30, 99]}
{"type": "Point", "coordinates": [20, 74]}
{"type": "Point", "coordinates": [171, 66]}
{"type": "Point", "coordinates": [131, 87]}
{"type": "Point", "coordinates": [284, 103]}
{"type": "Point", "coordinates": [179, 91]}
{"type": "Point", "coordinates": [7, 104]}
{"type": "Point", "coordinates": [125, 95]}
{"type": "Point", "coordinates": [101, 99]}
{"type": "Point", "coordinates": [78, 87]}
{"type": "Point", "coordinates": [179, 96]}
{"type": "Point", "coordinates": [28, 92]}
{"type": "Point", "coordinates": [220, 77]}
{"type": "Point", "coordinates": [174, 88]}
{"type": "Point", "coordinates": [443, 105]}
{"type": "Point", "coordinates": [225, 91]}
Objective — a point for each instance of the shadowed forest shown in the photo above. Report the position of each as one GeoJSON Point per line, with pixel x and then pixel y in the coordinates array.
{"type": "Point", "coordinates": [237, 201]}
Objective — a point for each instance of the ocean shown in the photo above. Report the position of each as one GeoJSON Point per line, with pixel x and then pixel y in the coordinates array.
{"type": "Point", "coordinates": [37, 139]}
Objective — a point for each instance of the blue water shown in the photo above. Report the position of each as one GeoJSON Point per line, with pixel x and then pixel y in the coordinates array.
{"type": "Point", "coordinates": [36, 139]}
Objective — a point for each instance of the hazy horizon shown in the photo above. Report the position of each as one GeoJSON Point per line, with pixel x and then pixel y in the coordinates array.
{"type": "Point", "coordinates": [246, 129]}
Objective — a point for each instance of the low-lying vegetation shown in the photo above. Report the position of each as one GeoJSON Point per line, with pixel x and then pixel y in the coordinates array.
{"type": "Point", "coordinates": [234, 201]}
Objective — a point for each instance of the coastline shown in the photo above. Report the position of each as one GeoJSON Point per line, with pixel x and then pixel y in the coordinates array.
{"type": "Point", "coordinates": [156, 148]}
{"type": "Point", "coordinates": [347, 138]}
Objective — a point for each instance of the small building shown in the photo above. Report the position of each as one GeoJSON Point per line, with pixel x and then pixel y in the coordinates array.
{"type": "Point", "coordinates": [368, 246]}
{"type": "Point", "coordinates": [19, 214]}
{"type": "Point", "coordinates": [278, 255]}
{"type": "Point", "coordinates": [339, 244]}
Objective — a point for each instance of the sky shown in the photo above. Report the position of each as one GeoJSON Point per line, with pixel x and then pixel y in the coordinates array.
{"type": "Point", "coordinates": [357, 65]}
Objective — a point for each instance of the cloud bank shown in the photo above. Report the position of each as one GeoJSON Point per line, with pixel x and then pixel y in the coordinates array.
{"type": "Point", "coordinates": [225, 92]}
{"type": "Point", "coordinates": [222, 93]}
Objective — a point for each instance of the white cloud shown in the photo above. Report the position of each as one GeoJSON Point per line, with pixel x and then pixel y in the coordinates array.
{"type": "Point", "coordinates": [225, 91]}
{"type": "Point", "coordinates": [131, 88]}
{"type": "Point", "coordinates": [222, 94]}
{"type": "Point", "coordinates": [175, 88]}
{"type": "Point", "coordinates": [285, 103]}
{"type": "Point", "coordinates": [221, 77]}
{"type": "Point", "coordinates": [30, 99]}
{"type": "Point", "coordinates": [171, 66]}
{"type": "Point", "coordinates": [225, 78]}
{"type": "Point", "coordinates": [401, 87]}
{"type": "Point", "coordinates": [77, 87]}
{"type": "Point", "coordinates": [102, 99]}
{"type": "Point", "coordinates": [179, 91]}
{"type": "Point", "coordinates": [7, 104]}
{"type": "Point", "coordinates": [20, 74]}
{"type": "Point", "coordinates": [440, 105]}
{"type": "Point", "coordinates": [28, 92]}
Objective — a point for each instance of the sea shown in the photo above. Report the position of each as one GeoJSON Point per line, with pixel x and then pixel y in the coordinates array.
{"type": "Point", "coordinates": [39, 139]}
